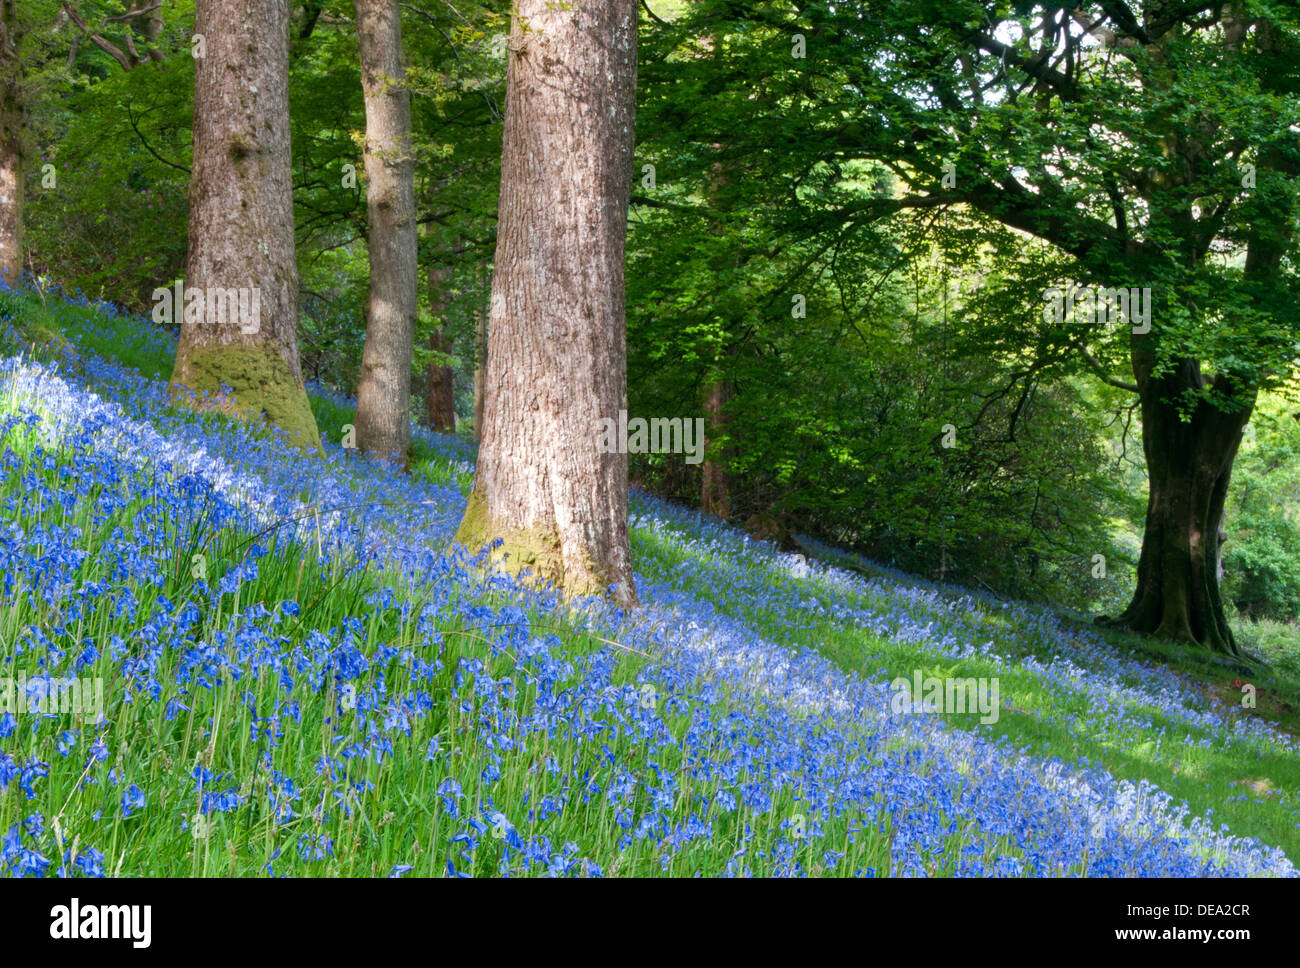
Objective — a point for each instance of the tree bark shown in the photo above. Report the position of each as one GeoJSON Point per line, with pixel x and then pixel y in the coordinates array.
{"type": "Point", "coordinates": [715, 495]}
{"type": "Point", "coordinates": [1189, 465]}
{"type": "Point", "coordinates": [442, 387]}
{"type": "Point", "coordinates": [148, 24]}
{"type": "Point", "coordinates": [557, 356]}
{"type": "Point", "coordinates": [241, 231]}
{"type": "Point", "coordinates": [480, 365]}
{"type": "Point", "coordinates": [384, 392]}
{"type": "Point", "coordinates": [11, 146]}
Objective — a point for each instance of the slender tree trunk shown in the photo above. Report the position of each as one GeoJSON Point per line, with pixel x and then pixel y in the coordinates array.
{"type": "Point", "coordinates": [11, 147]}
{"type": "Point", "coordinates": [715, 495]}
{"type": "Point", "coordinates": [442, 387]}
{"type": "Point", "coordinates": [715, 491]}
{"type": "Point", "coordinates": [384, 392]}
{"type": "Point", "coordinates": [440, 381]}
{"type": "Point", "coordinates": [149, 23]}
{"type": "Point", "coordinates": [149, 26]}
{"type": "Point", "coordinates": [241, 224]}
{"type": "Point", "coordinates": [557, 357]}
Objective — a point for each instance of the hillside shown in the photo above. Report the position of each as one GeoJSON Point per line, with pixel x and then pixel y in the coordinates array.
{"type": "Point", "coordinates": [299, 677]}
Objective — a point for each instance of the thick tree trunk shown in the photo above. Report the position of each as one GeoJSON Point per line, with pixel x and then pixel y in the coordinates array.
{"type": "Point", "coordinates": [557, 357]}
{"type": "Point", "coordinates": [384, 392]}
{"type": "Point", "coordinates": [11, 147]}
{"type": "Point", "coordinates": [1189, 464]}
{"type": "Point", "coordinates": [241, 234]}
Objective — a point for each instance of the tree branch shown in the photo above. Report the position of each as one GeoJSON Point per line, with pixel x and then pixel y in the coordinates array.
{"type": "Point", "coordinates": [1100, 371]}
{"type": "Point", "coordinates": [107, 46]}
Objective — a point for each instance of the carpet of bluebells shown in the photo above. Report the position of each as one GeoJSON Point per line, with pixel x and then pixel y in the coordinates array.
{"type": "Point", "coordinates": [301, 677]}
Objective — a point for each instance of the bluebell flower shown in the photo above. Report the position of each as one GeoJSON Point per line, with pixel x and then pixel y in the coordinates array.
{"type": "Point", "coordinates": [132, 800]}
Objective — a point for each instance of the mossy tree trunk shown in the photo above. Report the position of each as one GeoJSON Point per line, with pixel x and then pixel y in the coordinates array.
{"type": "Point", "coordinates": [384, 391]}
{"type": "Point", "coordinates": [11, 146]}
{"type": "Point", "coordinates": [241, 229]}
{"type": "Point", "coordinates": [557, 354]}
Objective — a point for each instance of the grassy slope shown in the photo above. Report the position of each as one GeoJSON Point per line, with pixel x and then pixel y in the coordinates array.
{"type": "Point", "coordinates": [1253, 791]}
{"type": "Point", "coordinates": [1046, 708]}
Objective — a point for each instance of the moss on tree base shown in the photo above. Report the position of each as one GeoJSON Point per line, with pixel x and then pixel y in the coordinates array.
{"type": "Point", "coordinates": [260, 386]}
{"type": "Point", "coordinates": [535, 550]}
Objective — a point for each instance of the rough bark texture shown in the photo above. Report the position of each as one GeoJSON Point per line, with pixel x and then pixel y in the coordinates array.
{"type": "Point", "coordinates": [384, 391]}
{"type": "Point", "coordinates": [480, 367]}
{"type": "Point", "coordinates": [557, 359]}
{"type": "Point", "coordinates": [241, 230]}
{"type": "Point", "coordinates": [11, 147]}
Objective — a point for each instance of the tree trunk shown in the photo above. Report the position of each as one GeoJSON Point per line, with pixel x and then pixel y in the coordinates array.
{"type": "Point", "coordinates": [149, 23]}
{"type": "Point", "coordinates": [149, 26]}
{"type": "Point", "coordinates": [241, 234]}
{"type": "Point", "coordinates": [715, 496]}
{"type": "Point", "coordinates": [1189, 464]}
{"type": "Point", "coordinates": [715, 492]}
{"type": "Point", "coordinates": [442, 387]}
{"type": "Point", "coordinates": [440, 381]}
{"type": "Point", "coordinates": [11, 147]}
{"type": "Point", "coordinates": [384, 392]}
{"type": "Point", "coordinates": [557, 357]}
{"type": "Point", "coordinates": [480, 363]}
